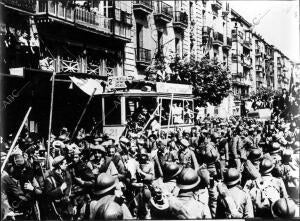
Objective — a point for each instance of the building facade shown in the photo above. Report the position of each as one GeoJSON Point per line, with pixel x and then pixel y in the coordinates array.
{"type": "Point", "coordinates": [121, 38]}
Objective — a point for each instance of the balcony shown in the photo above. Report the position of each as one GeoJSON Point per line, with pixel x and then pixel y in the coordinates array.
{"type": "Point", "coordinates": [163, 13]}
{"type": "Point", "coordinates": [279, 65]}
{"type": "Point", "coordinates": [218, 39]}
{"type": "Point", "coordinates": [259, 79]}
{"type": "Point", "coordinates": [143, 57]}
{"type": "Point", "coordinates": [93, 21]}
{"type": "Point", "coordinates": [144, 7]}
{"type": "Point", "coordinates": [258, 68]}
{"type": "Point", "coordinates": [206, 31]}
{"type": "Point", "coordinates": [247, 62]}
{"type": "Point", "coordinates": [25, 5]}
{"type": "Point", "coordinates": [216, 5]}
{"type": "Point", "coordinates": [258, 53]}
{"type": "Point", "coordinates": [180, 20]}
{"type": "Point", "coordinates": [242, 82]}
{"type": "Point", "coordinates": [247, 43]}
{"type": "Point", "coordinates": [75, 16]}
{"type": "Point", "coordinates": [234, 58]}
{"type": "Point", "coordinates": [228, 43]}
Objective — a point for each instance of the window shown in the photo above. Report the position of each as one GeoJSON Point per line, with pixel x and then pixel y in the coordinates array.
{"type": "Point", "coordinates": [108, 8]}
{"type": "Point", "coordinates": [178, 46]}
{"type": "Point", "coordinates": [159, 40]}
{"type": "Point", "coordinates": [182, 112]}
{"type": "Point", "coordinates": [139, 36]}
{"type": "Point", "coordinates": [112, 110]}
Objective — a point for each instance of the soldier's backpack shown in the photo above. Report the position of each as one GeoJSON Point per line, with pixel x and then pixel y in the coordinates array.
{"type": "Point", "coordinates": [269, 191]}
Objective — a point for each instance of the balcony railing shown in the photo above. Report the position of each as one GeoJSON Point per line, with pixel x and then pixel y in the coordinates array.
{"type": "Point", "coordinates": [93, 20]}
{"type": "Point", "coordinates": [26, 5]}
{"type": "Point", "coordinates": [67, 65]}
{"type": "Point", "coordinates": [145, 6]}
{"type": "Point", "coordinates": [228, 43]}
{"type": "Point", "coordinates": [247, 43]}
{"type": "Point", "coordinates": [79, 16]}
{"type": "Point", "coordinates": [247, 62]}
{"type": "Point", "coordinates": [218, 38]}
{"type": "Point", "coordinates": [206, 31]}
{"type": "Point", "coordinates": [143, 56]}
{"type": "Point", "coordinates": [180, 20]}
{"type": "Point", "coordinates": [164, 12]}
{"type": "Point", "coordinates": [216, 4]}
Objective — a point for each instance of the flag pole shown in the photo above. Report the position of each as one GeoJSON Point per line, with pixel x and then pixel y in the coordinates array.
{"type": "Point", "coordinates": [82, 114]}
{"type": "Point", "coordinates": [170, 114]}
{"type": "Point", "coordinates": [15, 140]}
{"type": "Point", "coordinates": [50, 119]}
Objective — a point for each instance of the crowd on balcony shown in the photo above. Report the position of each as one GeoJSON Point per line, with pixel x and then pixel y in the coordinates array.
{"type": "Point", "coordinates": [19, 49]}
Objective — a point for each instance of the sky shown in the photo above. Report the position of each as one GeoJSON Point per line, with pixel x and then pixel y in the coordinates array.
{"type": "Point", "coordinates": [279, 23]}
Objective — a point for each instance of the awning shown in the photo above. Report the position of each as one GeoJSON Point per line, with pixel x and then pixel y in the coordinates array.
{"type": "Point", "coordinates": [88, 85]}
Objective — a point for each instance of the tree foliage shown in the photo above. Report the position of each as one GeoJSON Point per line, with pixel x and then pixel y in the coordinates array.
{"type": "Point", "coordinates": [264, 93]}
{"type": "Point", "coordinates": [209, 79]}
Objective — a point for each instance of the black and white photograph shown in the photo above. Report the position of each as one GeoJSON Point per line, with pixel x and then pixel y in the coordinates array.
{"type": "Point", "coordinates": [149, 109]}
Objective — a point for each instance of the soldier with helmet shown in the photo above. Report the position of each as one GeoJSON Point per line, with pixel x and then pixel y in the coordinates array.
{"type": "Point", "coordinates": [105, 192]}
{"type": "Point", "coordinates": [185, 206]}
{"type": "Point", "coordinates": [242, 200]}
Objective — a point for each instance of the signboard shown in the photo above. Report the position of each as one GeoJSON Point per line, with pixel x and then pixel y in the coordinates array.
{"type": "Point", "coordinates": [17, 71]}
{"type": "Point", "coordinates": [174, 88]}
{"type": "Point", "coordinates": [114, 132]}
{"type": "Point", "coordinates": [117, 82]}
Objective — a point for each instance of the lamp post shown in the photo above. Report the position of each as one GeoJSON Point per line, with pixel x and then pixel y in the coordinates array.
{"type": "Point", "coordinates": [237, 55]}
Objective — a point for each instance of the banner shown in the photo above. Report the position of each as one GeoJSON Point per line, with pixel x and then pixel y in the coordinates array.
{"type": "Point", "coordinates": [88, 85]}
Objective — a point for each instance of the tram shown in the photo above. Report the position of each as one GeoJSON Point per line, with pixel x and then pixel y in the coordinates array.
{"type": "Point", "coordinates": [171, 104]}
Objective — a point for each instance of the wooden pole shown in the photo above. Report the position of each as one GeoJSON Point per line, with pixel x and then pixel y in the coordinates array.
{"type": "Point", "coordinates": [82, 114]}
{"type": "Point", "coordinates": [170, 114]}
{"type": "Point", "coordinates": [50, 120]}
{"type": "Point", "coordinates": [151, 117]}
{"type": "Point", "coordinates": [15, 140]}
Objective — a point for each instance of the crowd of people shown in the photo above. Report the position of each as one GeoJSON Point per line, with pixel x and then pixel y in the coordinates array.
{"type": "Point", "coordinates": [19, 48]}
{"type": "Point", "coordinates": [237, 168]}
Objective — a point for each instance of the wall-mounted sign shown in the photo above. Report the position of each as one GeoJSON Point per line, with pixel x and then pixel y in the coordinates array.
{"type": "Point", "coordinates": [17, 71]}
{"type": "Point", "coordinates": [117, 82]}
{"type": "Point", "coordinates": [162, 87]}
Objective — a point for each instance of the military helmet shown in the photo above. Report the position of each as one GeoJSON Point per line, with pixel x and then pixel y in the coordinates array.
{"type": "Point", "coordinates": [266, 166]}
{"type": "Point", "coordinates": [255, 155]}
{"type": "Point", "coordinates": [109, 211]}
{"type": "Point", "coordinates": [283, 208]}
{"type": "Point", "coordinates": [275, 148]}
{"type": "Point", "coordinates": [232, 176]}
{"type": "Point", "coordinates": [104, 183]}
{"type": "Point", "coordinates": [171, 170]}
{"type": "Point", "coordinates": [188, 179]}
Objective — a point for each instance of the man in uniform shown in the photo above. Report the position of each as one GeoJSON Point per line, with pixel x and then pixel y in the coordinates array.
{"type": "Point", "coordinates": [242, 201]}
{"type": "Point", "coordinates": [105, 192]}
{"type": "Point", "coordinates": [57, 190]}
{"type": "Point", "coordinates": [185, 206]}
{"type": "Point", "coordinates": [186, 156]}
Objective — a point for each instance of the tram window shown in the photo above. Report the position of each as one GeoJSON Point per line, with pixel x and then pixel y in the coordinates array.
{"type": "Point", "coordinates": [112, 110]}
{"type": "Point", "coordinates": [134, 106]}
{"type": "Point", "coordinates": [188, 112]}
